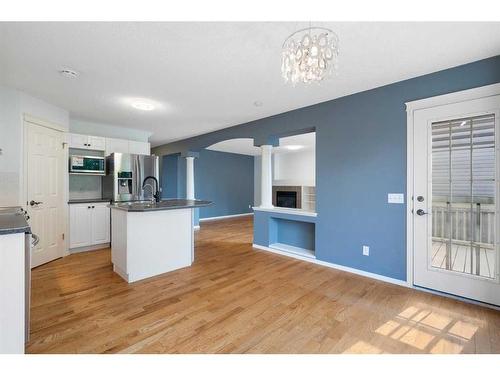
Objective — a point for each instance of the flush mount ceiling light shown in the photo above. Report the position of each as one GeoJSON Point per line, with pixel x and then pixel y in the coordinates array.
{"type": "Point", "coordinates": [294, 147]}
{"type": "Point", "coordinates": [68, 73]}
{"type": "Point", "coordinates": [309, 55]}
{"type": "Point", "coordinates": [143, 105]}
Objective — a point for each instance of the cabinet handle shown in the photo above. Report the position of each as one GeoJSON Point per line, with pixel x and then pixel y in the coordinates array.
{"type": "Point", "coordinates": [93, 206]}
{"type": "Point", "coordinates": [88, 207]}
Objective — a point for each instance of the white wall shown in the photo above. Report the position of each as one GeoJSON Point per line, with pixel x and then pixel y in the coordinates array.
{"type": "Point", "coordinates": [295, 168]}
{"type": "Point", "coordinates": [107, 130]}
{"type": "Point", "coordinates": [10, 145]}
{"type": "Point", "coordinates": [13, 105]}
{"type": "Point", "coordinates": [292, 168]}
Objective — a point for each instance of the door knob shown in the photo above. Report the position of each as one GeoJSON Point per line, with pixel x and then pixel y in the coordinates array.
{"type": "Point", "coordinates": [35, 203]}
{"type": "Point", "coordinates": [421, 212]}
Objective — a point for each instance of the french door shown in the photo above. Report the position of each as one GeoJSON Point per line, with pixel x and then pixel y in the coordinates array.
{"type": "Point", "coordinates": [456, 199]}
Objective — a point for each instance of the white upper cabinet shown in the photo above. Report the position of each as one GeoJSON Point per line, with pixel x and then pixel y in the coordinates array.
{"type": "Point", "coordinates": [108, 145]}
{"type": "Point", "coordinates": [126, 147]}
{"type": "Point", "coordinates": [116, 145]}
{"type": "Point", "coordinates": [141, 148]}
{"type": "Point", "coordinates": [87, 142]}
{"type": "Point", "coordinates": [97, 143]}
{"type": "Point", "coordinates": [78, 140]}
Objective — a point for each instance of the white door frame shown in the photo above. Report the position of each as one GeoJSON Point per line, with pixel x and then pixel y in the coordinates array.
{"type": "Point", "coordinates": [27, 118]}
{"type": "Point", "coordinates": [411, 107]}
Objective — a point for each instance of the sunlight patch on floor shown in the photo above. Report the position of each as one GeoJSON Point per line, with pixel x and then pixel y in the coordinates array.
{"type": "Point", "coordinates": [417, 338]}
{"type": "Point", "coordinates": [362, 347]}
{"type": "Point", "coordinates": [427, 331]}
{"type": "Point", "coordinates": [446, 346]}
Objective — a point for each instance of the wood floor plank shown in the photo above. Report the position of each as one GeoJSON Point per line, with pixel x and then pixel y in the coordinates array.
{"type": "Point", "coordinates": [236, 299]}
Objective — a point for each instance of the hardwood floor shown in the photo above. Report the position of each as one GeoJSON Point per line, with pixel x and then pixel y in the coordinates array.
{"type": "Point", "coordinates": [235, 299]}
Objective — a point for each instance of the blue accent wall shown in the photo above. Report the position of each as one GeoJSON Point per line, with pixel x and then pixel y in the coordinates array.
{"type": "Point", "coordinates": [221, 177]}
{"type": "Point", "coordinates": [169, 176]}
{"type": "Point", "coordinates": [360, 157]}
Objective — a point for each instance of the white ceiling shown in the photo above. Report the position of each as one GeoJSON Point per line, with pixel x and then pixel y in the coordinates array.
{"type": "Point", "coordinates": [207, 76]}
{"type": "Point", "coordinates": [245, 146]}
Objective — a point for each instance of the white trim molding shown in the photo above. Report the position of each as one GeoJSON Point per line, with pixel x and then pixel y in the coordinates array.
{"type": "Point", "coordinates": [334, 266]}
{"type": "Point", "coordinates": [225, 217]}
{"type": "Point", "coordinates": [37, 121]}
{"type": "Point", "coordinates": [454, 97]}
{"type": "Point", "coordinates": [411, 107]}
{"type": "Point", "coordinates": [89, 248]}
{"type": "Point", "coordinates": [288, 211]}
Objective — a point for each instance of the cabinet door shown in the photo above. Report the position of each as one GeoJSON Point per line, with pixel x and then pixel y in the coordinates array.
{"type": "Point", "coordinates": [100, 223]}
{"type": "Point", "coordinates": [141, 148]}
{"type": "Point", "coordinates": [80, 217]}
{"type": "Point", "coordinates": [97, 143]}
{"type": "Point", "coordinates": [116, 145]}
{"type": "Point", "coordinates": [78, 141]}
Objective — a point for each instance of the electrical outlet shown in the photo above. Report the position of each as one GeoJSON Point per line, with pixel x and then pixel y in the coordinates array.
{"type": "Point", "coordinates": [366, 250]}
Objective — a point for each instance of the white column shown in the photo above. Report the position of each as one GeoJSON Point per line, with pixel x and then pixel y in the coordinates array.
{"type": "Point", "coordinates": [189, 177]}
{"type": "Point", "coordinates": [266, 178]}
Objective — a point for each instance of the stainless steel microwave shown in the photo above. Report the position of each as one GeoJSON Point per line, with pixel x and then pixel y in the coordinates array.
{"type": "Point", "coordinates": [92, 165]}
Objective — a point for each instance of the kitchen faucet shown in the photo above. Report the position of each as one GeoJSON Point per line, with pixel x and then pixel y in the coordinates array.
{"type": "Point", "coordinates": [156, 195]}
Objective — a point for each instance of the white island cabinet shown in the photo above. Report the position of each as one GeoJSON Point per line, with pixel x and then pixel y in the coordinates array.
{"type": "Point", "coordinates": [148, 239]}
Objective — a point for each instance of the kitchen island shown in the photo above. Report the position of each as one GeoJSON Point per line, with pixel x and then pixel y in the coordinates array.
{"type": "Point", "coordinates": [151, 238]}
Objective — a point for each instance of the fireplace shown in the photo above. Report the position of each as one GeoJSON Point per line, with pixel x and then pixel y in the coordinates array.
{"type": "Point", "coordinates": [286, 199]}
{"type": "Point", "coordinates": [287, 196]}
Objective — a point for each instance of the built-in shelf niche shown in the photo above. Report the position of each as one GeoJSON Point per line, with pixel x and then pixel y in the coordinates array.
{"type": "Point", "coordinates": [309, 198]}
{"type": "Point", "coordinates": [292, 235]}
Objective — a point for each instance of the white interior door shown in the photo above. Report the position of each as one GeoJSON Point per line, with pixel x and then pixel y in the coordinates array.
{"type": "Point", "coordinates": [45, 184]}
{"type": "Point", "coordinates": [455, 205]}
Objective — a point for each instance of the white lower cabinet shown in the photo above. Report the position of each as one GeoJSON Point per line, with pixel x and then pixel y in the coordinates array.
{"type": "Point", "coordinates": [100, 223]}
{"type": "Point", "coordinates": [89, 224]}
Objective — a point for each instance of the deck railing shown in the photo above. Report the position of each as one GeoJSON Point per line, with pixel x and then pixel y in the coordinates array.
{"type": "Point", "coordinates": [456, 222]}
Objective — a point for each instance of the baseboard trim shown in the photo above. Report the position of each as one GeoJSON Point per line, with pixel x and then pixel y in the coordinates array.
{"type": "Point", "coordinates": [335, 266]}
{"type": "Point", "coordinates": [89, 248]}
{"type": "Point", "coordinates": [225, 217]}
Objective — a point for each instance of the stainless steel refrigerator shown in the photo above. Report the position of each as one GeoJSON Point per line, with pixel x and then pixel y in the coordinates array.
{"type": "Point", "coordinates": [125, 174]}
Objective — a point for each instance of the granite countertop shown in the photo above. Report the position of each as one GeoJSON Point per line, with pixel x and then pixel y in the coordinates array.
{"type": "Point", "coordinates": [167, 204]}
{"type": "Point", "coordinates": [12, 220]}
{"type": "Point", "coordinates": [89, 200]}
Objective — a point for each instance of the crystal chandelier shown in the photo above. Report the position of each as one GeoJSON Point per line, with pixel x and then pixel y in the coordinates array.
{"type": "Point", "coordinates": [309, 55]}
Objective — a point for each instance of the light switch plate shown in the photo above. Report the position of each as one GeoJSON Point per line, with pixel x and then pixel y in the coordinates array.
{"type": "Point", "coordinates": [366, 250]}
{"type": "Point", "coordinates": [396, 198]}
